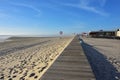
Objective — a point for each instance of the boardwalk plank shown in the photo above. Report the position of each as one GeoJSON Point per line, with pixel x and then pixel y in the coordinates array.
{"type": "Point", "coordinates": [72, 64]}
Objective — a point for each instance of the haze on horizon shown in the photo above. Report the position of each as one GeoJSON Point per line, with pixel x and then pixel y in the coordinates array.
{"type": "Point", "coordinates": [48, 17]}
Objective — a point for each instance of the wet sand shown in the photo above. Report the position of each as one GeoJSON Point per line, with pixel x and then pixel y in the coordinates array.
{"type": "Point", "coordinates": [28, 58]}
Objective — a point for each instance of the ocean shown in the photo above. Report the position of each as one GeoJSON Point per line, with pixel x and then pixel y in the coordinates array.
{"type": "Point", "coordinates": [3, 38]}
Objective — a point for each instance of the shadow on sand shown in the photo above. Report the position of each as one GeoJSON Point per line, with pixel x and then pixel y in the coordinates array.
{"type": "Point", "coordinates": [102, 68]}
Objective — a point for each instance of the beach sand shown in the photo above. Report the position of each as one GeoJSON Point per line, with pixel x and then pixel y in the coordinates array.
{"type": "Point", "coordinates": [28, 58]}
{"type": "Point", "coordinates": [104, 56]}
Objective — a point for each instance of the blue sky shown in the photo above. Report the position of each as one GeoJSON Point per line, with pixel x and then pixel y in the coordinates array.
{"type": "Point", "coordinates": [48, 17]}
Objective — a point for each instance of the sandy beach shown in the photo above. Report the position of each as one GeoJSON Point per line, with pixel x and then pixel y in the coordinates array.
{"type": "Point", "coordinates": [28, 58]}
{"type": "Point", "coordinates": [104, 57]}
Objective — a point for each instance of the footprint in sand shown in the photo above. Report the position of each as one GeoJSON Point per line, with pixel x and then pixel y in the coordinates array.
{"type": "Point", "coordinates": [32, 74]}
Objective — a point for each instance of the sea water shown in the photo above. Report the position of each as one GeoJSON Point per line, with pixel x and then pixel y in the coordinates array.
{"type": "Point", "coordinates": [3, 38]}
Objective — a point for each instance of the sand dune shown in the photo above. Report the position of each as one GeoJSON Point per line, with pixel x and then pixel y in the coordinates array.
{"type": "Point", "coordinates": [27, 58]}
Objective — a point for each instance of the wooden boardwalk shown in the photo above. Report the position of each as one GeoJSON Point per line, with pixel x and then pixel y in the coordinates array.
{"type": "Point", "coordinates": [72, 64]}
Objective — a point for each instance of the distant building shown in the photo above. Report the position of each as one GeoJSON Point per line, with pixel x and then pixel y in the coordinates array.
{"type": "Point", "coordinates": [106, 34]}
{"type": "Point", "coordinates": [84, 34]}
